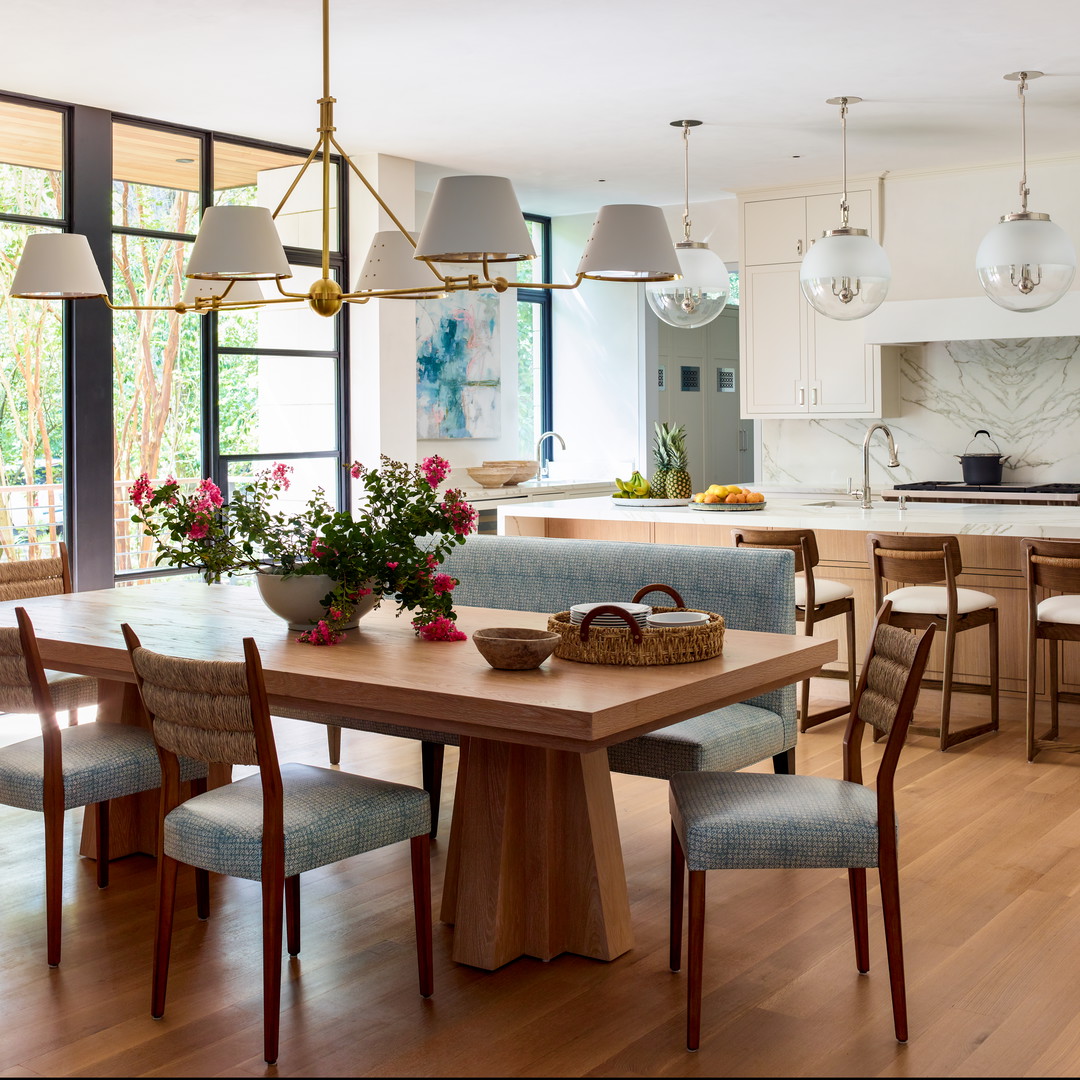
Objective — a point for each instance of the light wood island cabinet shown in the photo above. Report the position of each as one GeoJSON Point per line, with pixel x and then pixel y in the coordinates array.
{"type": "Point", "coordinates": [991, 564]}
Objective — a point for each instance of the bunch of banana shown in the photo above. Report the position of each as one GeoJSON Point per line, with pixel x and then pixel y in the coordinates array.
{"type": "Point", "coordinates": [637, 487]}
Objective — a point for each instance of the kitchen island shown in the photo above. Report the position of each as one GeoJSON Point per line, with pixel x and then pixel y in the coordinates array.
{"type": "Point", "coordinates": [989, 537]}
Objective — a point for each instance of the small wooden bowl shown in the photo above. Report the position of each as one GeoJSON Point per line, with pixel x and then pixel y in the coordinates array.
{"type": "Point", "coordinates": [491, 478]}
{"type": "Point", "coordinates": [512, 648]}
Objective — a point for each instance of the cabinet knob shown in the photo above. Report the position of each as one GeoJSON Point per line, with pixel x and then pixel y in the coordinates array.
{"type": "Point", "coordinates": [813, 396]}
{"type": "Point", "coordinates": [802, 395]}
{"type": "Point", "coordinates": [798, 247]}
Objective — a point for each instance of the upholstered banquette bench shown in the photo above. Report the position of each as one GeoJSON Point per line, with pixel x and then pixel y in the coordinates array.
{"type": "Point", "coordinates": [752, 589]}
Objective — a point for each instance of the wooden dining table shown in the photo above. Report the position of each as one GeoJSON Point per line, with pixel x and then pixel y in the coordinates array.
{"type": "Point", "coordinates": [534, 865]}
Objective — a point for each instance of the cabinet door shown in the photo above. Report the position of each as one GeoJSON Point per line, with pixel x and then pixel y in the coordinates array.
{"type": "Point", "coordinates": [774, 315]}
{"type": "Point", "coordinates": [774, 231]}
{"type": "Point", "coordinates": [842, 368]}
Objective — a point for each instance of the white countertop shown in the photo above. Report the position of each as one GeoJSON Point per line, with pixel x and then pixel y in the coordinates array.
{"type": "Point", "coordinates": [1051, 522]}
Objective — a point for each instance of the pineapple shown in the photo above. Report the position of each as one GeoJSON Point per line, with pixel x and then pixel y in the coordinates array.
{"type": "Point", "coordinates": [661, 456]}
{"type": "Point", "coordinates": [678, 478]}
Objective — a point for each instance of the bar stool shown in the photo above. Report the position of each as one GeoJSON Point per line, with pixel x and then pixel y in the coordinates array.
{"type": "Point", "coordinates": [815, 601]}
{"type": "Point", "coordinates": [1052, 569]}
{"type": "Point", "coordinates": [925, 561]}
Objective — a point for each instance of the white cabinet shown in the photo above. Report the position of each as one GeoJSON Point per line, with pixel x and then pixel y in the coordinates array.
{"type": "Point", "coordinates": [797, 362]}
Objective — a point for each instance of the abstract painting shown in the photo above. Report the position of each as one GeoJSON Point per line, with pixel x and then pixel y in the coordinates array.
{"type": "Point", "coordinates": [457, 367]}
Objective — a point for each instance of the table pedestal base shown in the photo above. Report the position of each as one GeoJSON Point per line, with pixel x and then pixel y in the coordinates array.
{"type": "Point", "coordinates": [535, 865]}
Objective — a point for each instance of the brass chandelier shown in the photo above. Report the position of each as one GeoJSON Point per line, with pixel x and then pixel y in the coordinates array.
{"type": "Point", "coordinates": [474, 220]}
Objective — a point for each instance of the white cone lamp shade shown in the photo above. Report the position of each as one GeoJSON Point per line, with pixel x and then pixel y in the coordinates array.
{"type": "Point", "coordinates": [845, 275]}
{"type": "Point", "coordinates": [241, 292]}
{"type": "Point", "coordinates": [392, 264]}
{"type": "Point", "coordinates": [57, 266]}
{"type": "Point", "coordinates": [472, 218]}
{"type": "Point", "coordinates": [239, 242]}
{"type": "Point", "coordinates": [1026, 262]}
{"type": "Point", "coordinates": [699, 295]}
{"type": "Point", "coordinates": [629, 242]}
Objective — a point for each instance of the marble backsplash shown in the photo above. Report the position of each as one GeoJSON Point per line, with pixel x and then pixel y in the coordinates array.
{"type": "Point", "coordinates": [1025, 392]}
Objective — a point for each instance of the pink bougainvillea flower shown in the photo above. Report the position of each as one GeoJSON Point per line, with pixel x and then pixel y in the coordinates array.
{"type": "Point", "coordinates": [355, 470]}
{"type": "Point", "coordinates": [442, 583]}
{"type": "Point", "coordinates": [210, 491]}
{"type": "Point", "coordinates": [317, 548]}
{"type": "Point", "coordinates": [439, 629]}
{"type": "Point", "coordinates": [357, 593]}
{"type": "Point", "coordinates": [435, 469]}
{"type": "Point", "coordinates": [280, 475]}
{"type": "Point", "coordinates": [391, 566]}
{"type": "Point", "coordinates": [321, 634]}
{"type": "Point", "coordinates": [199, 530]}
{"type": "Point", "coordinates": [142, 491]}
{"type": "Point", "coordinates": [462, 516]}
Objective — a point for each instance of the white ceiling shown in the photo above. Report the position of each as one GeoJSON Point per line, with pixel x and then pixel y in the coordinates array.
{"type": "Point", "coordinates": [561, 94]}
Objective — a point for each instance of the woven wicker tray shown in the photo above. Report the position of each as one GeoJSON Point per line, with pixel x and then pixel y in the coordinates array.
{"type": "Point", "coordinates": [636, 646]}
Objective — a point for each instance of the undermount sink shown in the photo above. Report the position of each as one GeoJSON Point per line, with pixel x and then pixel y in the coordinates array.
{"type": "Point", "coordinates": [881, 504]}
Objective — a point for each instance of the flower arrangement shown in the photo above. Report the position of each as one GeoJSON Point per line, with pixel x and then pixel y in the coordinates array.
{"type": "Point", "coordinates": [391, 546]}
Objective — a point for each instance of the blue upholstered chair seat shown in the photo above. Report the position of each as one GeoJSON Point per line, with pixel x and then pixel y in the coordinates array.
{"type": "Point", "coordinates": [759, 821]}
{"type": "Point", "coordinates": [724, 739]}
{"type": "Point", "coordinates": [329, 816]}
{"type": "Point", "coordinates": [101, 761]}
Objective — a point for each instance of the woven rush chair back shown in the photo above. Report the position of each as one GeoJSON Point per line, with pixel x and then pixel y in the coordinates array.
{"type": "Point", "coordinates": [1053, 565]}
{"type": "Point", "coordinates": [802, 542]}
{"type": "Point", "coordinates": [917, 560]}
{"type": "Point", "coordinates": [35, 577]}
{"type": "Point", "coordinates": [23, 685]}
{"type": "Point", "coordinates": [205, 709]}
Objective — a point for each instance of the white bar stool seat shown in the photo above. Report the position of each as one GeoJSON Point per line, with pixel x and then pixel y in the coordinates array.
{"type": "Point", "coordinates": [934, 600]}
{"type": "Point", "coordinates": [825, 591]}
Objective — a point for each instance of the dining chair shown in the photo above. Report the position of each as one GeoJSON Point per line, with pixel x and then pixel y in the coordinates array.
{"type": "Point", "coordinates": [24, 579]}
{"type": "Point", "coordinates": [66, 767]}
{"type": "Point", "coordinates": [816, 600]}
{"type": "Point", "coordinates": [268, 827]}
{"type": "Point", "coordinates": [927, 562]}
{"type": "Point", "coordinates": [1052, 572]}
{"type": "Point", "coordinates": [757, 821]}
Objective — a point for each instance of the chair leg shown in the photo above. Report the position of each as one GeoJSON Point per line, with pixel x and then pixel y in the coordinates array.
{"type": "Point", "coordinates": [202, 893]}
{"type": "Point", "coordinates": [292, 914]}
{"type": "Point", "coordinates": [946, 686]}
{"type": "Point", "coordinates": [804, 686]}
{"type": "Point", "coordinates": [857, 887]}
{"type": "Point", "coordinates": [73, 717]}
{"type": "Point", "coordinates": [54, 883]}
{"type": "Point", "coordinates": [695, 956]}
{"type": "Point", "coordinates": [421, 883]}
{"type": "Point", "coordinates": [431, 767]}
{"type": "Point", "coordinates": [995, 696]}
{"type": "Point", "coordinates": [784, 762]}
{"type": "Point", "coordinates": [101, 812]}
{"type": "Point", "coordinates": [849, 617]}
{"type": "Point", "coordinates": [894, 945]}
{"type": "Point", "coordinates": [273, 895]}
{"type": "Point", "coordinates": [678, 884]}
{"type": "Point", "coordinates": [163, 933]}
{"type": "Point", "coordinates": [1052, 677]}
{"type": "Point", "coordinates": [1029, 691]}
{"type": "Point", "coordinates": [333, 743]}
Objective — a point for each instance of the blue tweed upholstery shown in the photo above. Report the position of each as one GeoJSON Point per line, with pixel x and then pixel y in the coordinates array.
{"type": "Point", "coordinates": [746, 821]}
{"type": "Point", "coordinates": [329, 816]}
{"type": "Point", "coordinates": [100, 761]}
{"type": "Point", "coordinates": [753, 589]}
{"type": "Point", "coordinates": [70, 691]}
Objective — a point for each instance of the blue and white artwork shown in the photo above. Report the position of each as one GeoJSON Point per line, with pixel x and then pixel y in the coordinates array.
{"type": "Point", "coordinates": [457, 367]}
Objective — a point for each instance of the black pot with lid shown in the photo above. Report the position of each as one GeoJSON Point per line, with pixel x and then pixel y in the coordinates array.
{"type": "Point", "coordinates": [981, 460]}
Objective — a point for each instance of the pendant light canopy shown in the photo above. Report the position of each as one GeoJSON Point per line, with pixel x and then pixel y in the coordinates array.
{"type": "Point", "coordinates": [1025, 262]}
{"type": "Point", "coordinates": [845, 275]}
{"type": "Point", "coordinates": [701, 292]}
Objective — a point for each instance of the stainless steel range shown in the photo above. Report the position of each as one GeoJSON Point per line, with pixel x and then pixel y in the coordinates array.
{"type": "Point", "coordinates": [951, 491]}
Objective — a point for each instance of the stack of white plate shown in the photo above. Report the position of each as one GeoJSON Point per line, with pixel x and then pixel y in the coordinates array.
{"type": "Point", "coordinates": [638, 612]}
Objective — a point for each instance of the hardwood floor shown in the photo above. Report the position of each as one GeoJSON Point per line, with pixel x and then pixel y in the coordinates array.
{"type": "Point", "coordinates": [990, 887]}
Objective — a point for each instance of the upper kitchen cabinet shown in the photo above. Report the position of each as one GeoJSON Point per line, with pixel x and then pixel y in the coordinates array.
{"type": "Point", "coordinates": [796, 362]}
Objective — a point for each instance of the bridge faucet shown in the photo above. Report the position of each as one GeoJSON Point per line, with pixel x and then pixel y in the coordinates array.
{"type": "Point", "coordinates": [540, 443]}
{"type": "Point", "coordinates": [894, 461]}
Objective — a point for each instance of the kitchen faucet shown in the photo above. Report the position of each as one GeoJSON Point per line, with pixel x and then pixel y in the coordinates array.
{"type": "Point", "coordinates": [539, 443]}
{"type": "Point", "coordinates": [894, 461]}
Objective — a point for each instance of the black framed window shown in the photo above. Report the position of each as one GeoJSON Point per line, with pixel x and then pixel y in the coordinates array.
{"type": "Point", "coordinates": [534, 352]}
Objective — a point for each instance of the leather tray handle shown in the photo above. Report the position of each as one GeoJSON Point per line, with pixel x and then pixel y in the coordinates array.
{"type": "Point", "coordinates": [645, 590]}
{"type": "Point", "coordinates": [609, 609]}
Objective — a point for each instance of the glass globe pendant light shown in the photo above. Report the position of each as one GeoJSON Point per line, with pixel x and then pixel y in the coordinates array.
{"type": "Point", "coordinates": [701, 291]}
{"type": "Point", "coordinates": [1025, 262]}
{"type": "Point", "coordinates": [845, 274]}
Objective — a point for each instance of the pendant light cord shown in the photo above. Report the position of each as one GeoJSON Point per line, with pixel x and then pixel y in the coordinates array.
{"type": "Point", "coordinates": [843, 136]}
{"type": "Point", "coordinates": [686, 181]}
{"type": "Point", "coordinates": [1021, 86]}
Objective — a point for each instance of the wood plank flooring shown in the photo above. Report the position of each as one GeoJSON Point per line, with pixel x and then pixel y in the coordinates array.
{"type": "Point", "coordinates": [990, 886]}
